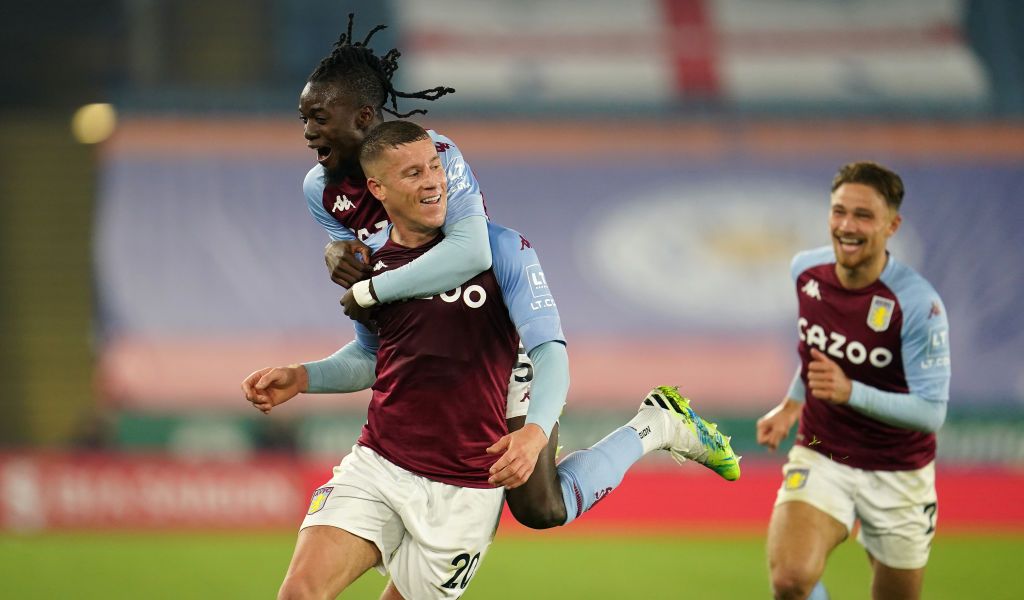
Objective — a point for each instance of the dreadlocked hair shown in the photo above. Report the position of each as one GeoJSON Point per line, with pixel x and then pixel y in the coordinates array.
{"type": "Point", "coordinates": [355, 66]}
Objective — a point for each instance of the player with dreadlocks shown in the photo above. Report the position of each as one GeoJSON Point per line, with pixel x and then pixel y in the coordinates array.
{"type": "Point", "coordinates": [342, 101]}
{"type": "Point", "coordinates": [344, 98]}
{"type": "Point", "coordinates": [341, 104]}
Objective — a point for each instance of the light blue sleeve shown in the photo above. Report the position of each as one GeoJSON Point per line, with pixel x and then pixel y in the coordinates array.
{"type": "Point", "coordinates": [464, 196]}
{"type": "Point", "coordinates": [909, 411]}
{"type": "Point", "coordinates": [797, 391]}
{"type": "Point", "coordinates": [524, 288]}
{"type": "Point", "coordinates": [800, 263]}
{"type": "Point", "coordinates": [926, 365]}
{"type": "Point", "coordinates": [925, 340]}
{"type": "Point", "coordinates": [463, 253]}
{"type": "Point", "coordinates": [350, 369]}
{"type": "Point", "coordinates": [313, 190]}
{"type": "Point", "coordinates": [532, 309]}
{"type": "Point", "coordinates": [550, 384]}
{"type": "Point", "coordinates": [810, 258]}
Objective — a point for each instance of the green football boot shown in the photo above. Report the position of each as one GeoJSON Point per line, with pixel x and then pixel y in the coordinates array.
{"type": "Point", "coordinates": [693, 438]}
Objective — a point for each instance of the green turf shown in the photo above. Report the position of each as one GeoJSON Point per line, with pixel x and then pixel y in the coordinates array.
{"type": "Point", "coordinates": [540, 565]}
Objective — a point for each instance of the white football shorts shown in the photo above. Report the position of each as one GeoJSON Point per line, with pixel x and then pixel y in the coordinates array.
{"type": "Point", "coordinates": [432, 536]}
{"type": "Point", "coordinates": [897, 510]}
{"type": "Point", "coordinates": [519, 386]}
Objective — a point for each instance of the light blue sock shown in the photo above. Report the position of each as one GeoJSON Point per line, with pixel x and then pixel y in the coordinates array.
{"type": "Point", "coordinates": [589, 475]}
{"type": "Point", "coordinates": [819, 592]}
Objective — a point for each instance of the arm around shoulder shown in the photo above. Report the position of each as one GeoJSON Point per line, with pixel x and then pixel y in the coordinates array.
{"type": "Point", "coordinates": [462, 254]}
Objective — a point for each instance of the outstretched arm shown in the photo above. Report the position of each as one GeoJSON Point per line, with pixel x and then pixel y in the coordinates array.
{"type": "Point", "coordinates": [270, 386]}
{"type": "Point", "coordinates": [350, 369]}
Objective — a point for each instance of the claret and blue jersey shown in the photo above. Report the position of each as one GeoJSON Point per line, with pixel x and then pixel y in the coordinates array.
{"type": "Point", "coordinates": [444, 361]}
{"type": "Point", "coordinates": [892, 335]}
{"type": "Point", "coordinates": [347, 209]}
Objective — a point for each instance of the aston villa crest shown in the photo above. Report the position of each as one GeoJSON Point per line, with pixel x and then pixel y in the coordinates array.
{"type": "Point", "coordinates": [796, 478]}
{"type": "Point", "coordinates": [319, 499]}
{"type": "Point", "coordinates": [880, 313]}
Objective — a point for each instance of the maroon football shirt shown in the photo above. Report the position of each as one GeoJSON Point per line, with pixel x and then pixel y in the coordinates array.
{"type": "Point", "coordinates": [352, 205]}
{"type": "Point", "coordinates": [861, 331]}
{"type": "Point", "coordinates": [443, 368]}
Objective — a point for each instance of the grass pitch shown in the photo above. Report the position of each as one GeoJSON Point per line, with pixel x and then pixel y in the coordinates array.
{"type": "Point", "coordinates": [556, 565]}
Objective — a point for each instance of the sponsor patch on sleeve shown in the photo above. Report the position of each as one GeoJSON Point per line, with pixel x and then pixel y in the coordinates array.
{"type": "Point", "coordinates": [538, 284]}
{"type": "Point", "coordinates": [456, 172]}
{"type": "Point", "coordinates": [938, 342]}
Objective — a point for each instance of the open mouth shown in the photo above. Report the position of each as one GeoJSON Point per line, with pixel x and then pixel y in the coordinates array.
{"type": "Point", "coordinates": [322, 154]}
{"type": "Point", "coordinates": [849, 244]}
{"type": "Point", "coordinates": [431, 200]}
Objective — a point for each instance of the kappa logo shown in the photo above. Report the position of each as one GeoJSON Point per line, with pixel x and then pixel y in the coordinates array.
{"type": "Point", "coordinates": [342, 203]}
{"type": "Point", "coordinates": [811, 289]}
{"type": "Point", "coordinates": [880, 313]}
{"type": "Point", "coordinates": [796, 478]}
{"type": "Point", "coordinates": [380, 265]}
{"type": "Point", "coordinates": [319, 499]}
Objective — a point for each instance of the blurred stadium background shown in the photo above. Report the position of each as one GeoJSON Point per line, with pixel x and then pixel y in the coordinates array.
{"type": "Point", "coordinates": [665, 157]}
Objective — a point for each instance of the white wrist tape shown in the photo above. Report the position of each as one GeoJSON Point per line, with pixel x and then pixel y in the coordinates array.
{"type": "Point", "coordinates": [361, 292]}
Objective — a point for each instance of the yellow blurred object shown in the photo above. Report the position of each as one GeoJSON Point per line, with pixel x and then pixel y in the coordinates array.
{"type": "Point", "coordinates": [93, 123]}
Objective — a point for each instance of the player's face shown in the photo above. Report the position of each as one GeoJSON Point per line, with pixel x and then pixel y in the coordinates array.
{"type": "Point", "coordinates": [335, 125]}
{"type": "Point", "coordinates": [861, 223]}
{"type": "Point", "coordinates": [412, 186]}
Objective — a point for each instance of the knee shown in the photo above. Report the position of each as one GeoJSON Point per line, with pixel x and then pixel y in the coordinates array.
{"type": "Point", "coordinates": [791, 583]}
{"type": "Point", "coordinates": [539, 515]}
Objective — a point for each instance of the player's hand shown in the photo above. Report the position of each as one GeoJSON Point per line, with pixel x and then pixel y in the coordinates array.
{"type": "Point", "coordinates": [343, 261]}
{"type": "Point", "coordinates": [774, 426]}
{"type": "Point", "coordinates": [356, 312]}
{"type": "Point", "coordinates": [519, 451]}
{"type": "Point", "coordinates": [826, 379]}
{"type": "Point", "coordinates": [271, 386]}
